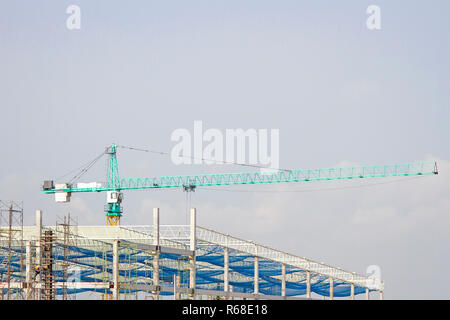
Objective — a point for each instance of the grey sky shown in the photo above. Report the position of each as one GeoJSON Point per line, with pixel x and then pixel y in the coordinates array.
{"type": "Point", "coordinates": [337, 91]}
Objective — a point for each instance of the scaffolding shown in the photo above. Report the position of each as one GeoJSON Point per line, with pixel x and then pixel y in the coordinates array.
{"type": "Point", "coordinates": [11, 247]}
{"type": "Point", "coordinates": [69, 239]}
{"type": "Point", "coordinates": [47, 265]}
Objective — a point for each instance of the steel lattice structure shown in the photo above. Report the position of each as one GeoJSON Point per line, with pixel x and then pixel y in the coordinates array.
{"type": "Point", "coordinates": [120, 261]}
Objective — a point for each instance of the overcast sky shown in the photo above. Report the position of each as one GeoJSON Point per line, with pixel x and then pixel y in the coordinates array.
{"type": "Point", "coordinates": [338, 92]}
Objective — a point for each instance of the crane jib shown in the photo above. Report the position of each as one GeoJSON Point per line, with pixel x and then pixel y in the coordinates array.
{"type": "Point", "coordinates": [281, 176]}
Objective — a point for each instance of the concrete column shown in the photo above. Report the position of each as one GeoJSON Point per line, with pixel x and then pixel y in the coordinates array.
{"type": "Point", "coordinates": [256, 276]}
{"type": "Point", "coordinates": [177, 285]}
{"type": "Point", "coordinates": [367, 294]}
{"type": "Point", "coordinates": [174, 287]}
{"type": "Point", "coordinates": [156, 243]}
{"type": "Point", "coordinates": [116, 269]}
{"type": "Point", "coordinates": [283, 280]}
{"type": "Point", "coordinates": [331, 288]}
{"type": "Point", "coordinates": [38, 251]}
{"type": "Point", "coordinates": [381, 295]}
{"type": "Point", "coordinates": [226, 269]}
{"type": "Point", "coordinates": [308, 284]}
{"type": "Point", "coordinates": [156, 226]}
{"type": "Point", "coordinates": [28, 271]}
{"type": "Point", "coordinates": [193, 241]}
{"type": "Point", "coordinates": [352, 292]}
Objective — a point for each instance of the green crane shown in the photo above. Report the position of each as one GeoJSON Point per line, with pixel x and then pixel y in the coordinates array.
{"type": "Point", "coordinates": [114, 185]}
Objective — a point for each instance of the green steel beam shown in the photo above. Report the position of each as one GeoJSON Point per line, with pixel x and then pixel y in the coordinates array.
{"type": "Point", "coordinates": [357, 172]}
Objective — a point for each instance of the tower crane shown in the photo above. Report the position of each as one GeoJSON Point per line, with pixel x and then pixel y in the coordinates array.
{"type": "Point", "coordinates": [114, 185]}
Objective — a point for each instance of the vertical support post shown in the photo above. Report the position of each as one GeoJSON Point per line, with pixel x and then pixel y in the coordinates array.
{"type": "Point", "coordinates": [308, 284]}
{"type": "Point", "coordinates": [38, 224]}
{"type": "Point", "coordinates": [231, 291]}
{"type": "Point", "coordinates": [226, 269]}
{"type": "Point", "coordinates": [116, 269]}
{"type": "Point", "coordinates": [28, 271]}
{"type": "Point", "coordinates": [367, 294]}
{"type": "Point", "coordinates": [331, 288]}
{"type": "Point", "coordinates": [156, 258]}
{"type": "Point", "coordinates": [177, 285]}
{"type": "Point", "coordinates": [283, 280]}
{"type": "Point", "coordinates": [381, 295]}
{"type": "Point", "coordinates": [256, 273]}
{"type": "Point", "coordinates": [174, 287]}
{"type": "Point", "coordinates": [39, 252]}
{"type": "Point", "coordinates": [193, 241]}
{"type": "Point", "coordinates": [352, 291]}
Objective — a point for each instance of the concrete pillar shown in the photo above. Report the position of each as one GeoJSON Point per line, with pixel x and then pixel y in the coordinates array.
{"type": "Point", "coordinates": [177, 294]}
{"type": "Point", "coordinates": [352, 292]}
{"type": "Point", "coordinates": [226, 269]}
{"type": "Point", "coordinates": [156, 243]}
{"type": "Point", "coordinates": [29, 271]}
{"type": "Point", "coordinates": [174, 287]}
{"type": "Point", "coordinates": [283, 280]}
{"type": "Point", "coordinates": [367, 294]}
{"type": "Point", "coordinates": [256, 276]}
{"type": "Point", "coordinates": [38, 251]}
{"type": "Point", "coordinates": [116, 269]}
{"type": "Point", "coordinates": [381, 295]}
{"type": "Point", "coordinates": [308, 284]}
{"type": "Point", "coordinates": [331, 288]}
{"type": "Point", "coordinates": [193, 241]}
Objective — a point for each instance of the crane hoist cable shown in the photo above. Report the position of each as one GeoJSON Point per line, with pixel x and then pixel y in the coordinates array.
{"type": "Point", "coordinates": [85, 168]}
{"type": "Point", "coordinates": [203, 159]}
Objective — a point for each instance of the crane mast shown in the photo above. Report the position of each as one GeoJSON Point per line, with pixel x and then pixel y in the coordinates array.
{"type": "Point", "coordinates": [114, 197]}
{"type": "Point", "coordinates": [114, 185]}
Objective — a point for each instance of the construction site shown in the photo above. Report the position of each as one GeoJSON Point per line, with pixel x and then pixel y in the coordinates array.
{"type": "Point", "coordinates": [115, 262]}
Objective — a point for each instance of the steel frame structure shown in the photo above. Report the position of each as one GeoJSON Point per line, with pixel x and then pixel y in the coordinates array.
{"type": "Point", "coordinates": [124, 262]}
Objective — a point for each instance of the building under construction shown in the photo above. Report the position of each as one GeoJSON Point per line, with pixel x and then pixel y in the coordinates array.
{"type": "Point", "coordinates": [67, 261]}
